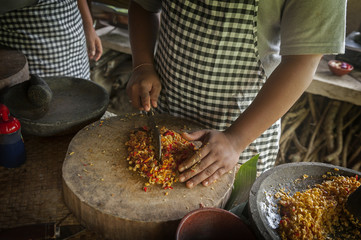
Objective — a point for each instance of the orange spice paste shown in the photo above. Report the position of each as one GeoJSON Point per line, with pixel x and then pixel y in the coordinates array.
{"type": "Point", "coordinates": [141, 157]}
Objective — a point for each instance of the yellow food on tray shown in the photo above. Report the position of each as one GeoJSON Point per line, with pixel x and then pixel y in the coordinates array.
{"type": "Point", "coordinates": [141, 158]}
{"type": "Point", "coordinates": [319, 212]}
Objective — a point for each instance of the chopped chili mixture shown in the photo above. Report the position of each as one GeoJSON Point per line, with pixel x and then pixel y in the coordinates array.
{"type": "Point", "coordinates": [319, 212]}
{"type": "Point", "coordinates": [141, 156]}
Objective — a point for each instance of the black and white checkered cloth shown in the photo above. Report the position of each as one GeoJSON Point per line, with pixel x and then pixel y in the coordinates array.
{"type": "Point", "coordinates": [50, 34]}
{"type": "Point", "coordinates": [208, 62]}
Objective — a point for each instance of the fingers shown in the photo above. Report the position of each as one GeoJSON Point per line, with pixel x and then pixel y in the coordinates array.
{"type": "Point", "coordinates": [212, 178]}
{"type": "Point", "coordinates": [133, 94]}
{"type": "Point", "coordinates": [207, 176]}
{"type": "Point", "coordinates": [205, 172]}
{"type": "Point", "coordinates": [215, 158]}
{"type": "Point", "coordinates": [201, 153]}
{"type": "Point", "coordinates": [197, 157]}
{"type": "Point", "coordinates": [195, 173]}
{"type": "Point", "coordinates": [144, 88]}
{"type": "Point", "coordinates": [91, 51]}
{"type": "Point", "coordinates": [154, 94]}
{"type": "Point", "coordinates": [95, 49]}
{"type": "Point", "coordinates": [194, 136]}
{"type": "Point", "coordinates": [99, 49]}
{"type": "Point", "coordinates": [147, 96]}
{"type": "Point", "coordinates": [197, 168]}
{"type": "Point", "coordinates": [154, 103]}
{"type": "Point", "coordinates": [145, 99]}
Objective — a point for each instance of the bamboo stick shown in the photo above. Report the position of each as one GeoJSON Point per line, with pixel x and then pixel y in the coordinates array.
{"type": "Point", "coordinates": [311, 104]}
{"type": "Point", "coordinates": [347, 143]}
{"type": "Point", "coordinates": [353, 118]}
{"type": "Point", "coordinates": [318, 126]}
{"type": "Point", "coordinates": [329, 125]}
{"type": "Point", "coordinates": [303, 113]}
{"type": "Point", "coordinates": [339, 137]}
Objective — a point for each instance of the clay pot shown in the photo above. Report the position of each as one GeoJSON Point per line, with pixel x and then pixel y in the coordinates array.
{"type": "Point", "coordinates": [212, 223]}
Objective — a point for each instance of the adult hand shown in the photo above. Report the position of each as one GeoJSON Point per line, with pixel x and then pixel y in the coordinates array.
{"type": "Point", "coordinates": [94, 44]}
{"type": "Point", "coordinates": [143, 87]}
{"type": "Point", "coordinates": [217, 156]}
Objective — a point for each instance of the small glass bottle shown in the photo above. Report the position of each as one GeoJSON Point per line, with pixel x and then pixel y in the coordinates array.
{"type": "Point", "coordinates": [12, 149]}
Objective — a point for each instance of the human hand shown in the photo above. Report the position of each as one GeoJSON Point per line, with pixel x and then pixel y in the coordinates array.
{"type": "Point", "coordinates": [94, 44]}
{"type": "Point", "coordinates": [216, 157]}
{"type": "Point", "coordinates": [143, 87]}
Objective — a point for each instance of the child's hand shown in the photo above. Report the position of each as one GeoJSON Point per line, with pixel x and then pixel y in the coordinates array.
{"type": "Point", "coordinates": [143, 87]}
{"type": "Point", "coordinates": [94, 44]}
{"type": "Point", "coordinates": [216, 157]}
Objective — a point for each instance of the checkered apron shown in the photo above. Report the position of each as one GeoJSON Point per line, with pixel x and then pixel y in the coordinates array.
{"type": "Point", "coordinates": [207, 59]}
{"type": "Point", "coordinates": [50, 34]}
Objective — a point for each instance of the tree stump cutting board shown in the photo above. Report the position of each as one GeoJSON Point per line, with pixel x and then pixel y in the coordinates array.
{"type": "Point", "coordinates": [109, 198]}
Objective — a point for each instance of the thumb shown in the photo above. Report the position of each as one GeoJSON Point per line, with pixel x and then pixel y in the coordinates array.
{"type": "Point", "coordinates": [194, 136]}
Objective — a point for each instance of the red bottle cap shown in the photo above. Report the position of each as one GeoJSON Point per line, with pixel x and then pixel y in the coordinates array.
{"type": "Point", "coordinates": [8, 124]}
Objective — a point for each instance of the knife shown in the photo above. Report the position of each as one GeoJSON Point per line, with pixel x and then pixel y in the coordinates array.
{"type": "Point", "coordinates": [156, 137]}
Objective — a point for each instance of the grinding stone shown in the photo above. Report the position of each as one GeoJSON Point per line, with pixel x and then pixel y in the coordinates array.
{"type": "Point", "coordinates": [263, 207]}
{"type": "Point", "coordinates": [75, 103]}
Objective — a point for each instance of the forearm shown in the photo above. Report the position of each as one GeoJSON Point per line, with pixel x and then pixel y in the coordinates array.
{"type": "Point", "coordinates": [85, 14]}
{"type": "Point", "coordinates": [143, 31]}
{"type": "Point", "coordinates": [285, 85]}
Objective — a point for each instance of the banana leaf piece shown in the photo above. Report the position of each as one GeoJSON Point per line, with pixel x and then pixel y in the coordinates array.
{"type": "Point", "coordinates": [243, 182]}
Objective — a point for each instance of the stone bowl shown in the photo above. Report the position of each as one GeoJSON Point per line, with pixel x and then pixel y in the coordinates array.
{"type": "Point", "coordinates": [75, 103]}
{"type": "Point", "coordinates": [263, 207]}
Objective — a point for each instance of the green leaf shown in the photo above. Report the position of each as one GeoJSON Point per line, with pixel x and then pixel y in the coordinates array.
{"type": "Point", "coordinates": [243, 182]}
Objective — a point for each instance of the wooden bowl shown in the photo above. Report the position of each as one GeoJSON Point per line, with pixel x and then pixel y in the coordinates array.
{"type": "Point", "coordinates": [339, 68]}
{"type": "Point", "coordinates": [212, 223]}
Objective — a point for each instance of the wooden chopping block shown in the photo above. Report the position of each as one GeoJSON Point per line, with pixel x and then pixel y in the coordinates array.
{"type": "Point", "coordinates": [14, 67]}
{"type": "Point", "coordinates": [109, 198]}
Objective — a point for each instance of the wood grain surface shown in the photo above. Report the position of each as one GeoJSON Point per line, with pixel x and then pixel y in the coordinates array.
{"type": "Point", "coordinates": [109, 198]}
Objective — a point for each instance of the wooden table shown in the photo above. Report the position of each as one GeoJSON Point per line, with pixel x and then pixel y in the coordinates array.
{"type": "Point", "coordinates": [115, 38]}
{"type": "Point", "coordinates": [345, 88]}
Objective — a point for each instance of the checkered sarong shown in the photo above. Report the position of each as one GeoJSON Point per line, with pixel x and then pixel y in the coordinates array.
{"type": "Point", "coordinates": [50, 34]}
{"type": "Point", "coordinates": [208, 62]}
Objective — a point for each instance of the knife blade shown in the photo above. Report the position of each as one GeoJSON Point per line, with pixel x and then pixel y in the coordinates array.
{"type": "Point", "coordinates": [156, 137]}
